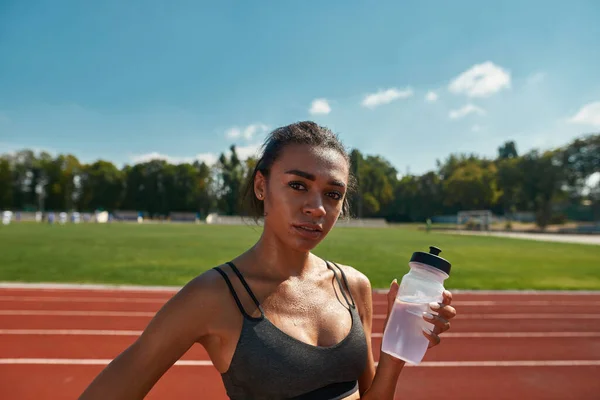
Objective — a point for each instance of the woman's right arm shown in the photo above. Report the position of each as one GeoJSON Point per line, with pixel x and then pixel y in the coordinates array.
{"type": "Point", "coordinates": [180, 323]}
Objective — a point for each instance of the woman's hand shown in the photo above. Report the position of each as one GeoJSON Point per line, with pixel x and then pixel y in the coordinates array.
{"type": "Point", "coordinates": [441, 321]}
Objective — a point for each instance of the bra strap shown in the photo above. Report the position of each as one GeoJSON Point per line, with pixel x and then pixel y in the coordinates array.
{"type": "Point", "coordinates": [353, 305]}
{"type": "Point", "coordinates": [234, 294]}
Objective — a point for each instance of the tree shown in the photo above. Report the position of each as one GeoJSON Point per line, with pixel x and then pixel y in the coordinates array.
{"type": "Point", "coordinates": [377, 179]}
{"type": "Point", "coordinates": [541, 183]}
{"type": "Point", "coordinates": [356, 199]}
{"type": "Point", "coordinates": [6, 184]}
{"type": "Point", "coordinates": [510, 182]}
{"type": "Point", "coordinates": [580, 160]}
{"type": "Point", "coordinates": [205, 197]}
{"type": "Point", "coordinates": [231, 174]}
{"type": "Point", "coordinates": [23, 163]}
{"type": "Point", "coordinates": [472, 187]}
{"type": "Point", "coordinates": [61, 185]}
{"type": "Point", "coordinates": [103, 186]}
{"type": "Point", "coordinates": [507, 150]}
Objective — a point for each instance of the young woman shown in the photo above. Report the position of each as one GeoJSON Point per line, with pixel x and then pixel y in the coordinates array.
{"type": "Point", "coordinates": [277, 321]}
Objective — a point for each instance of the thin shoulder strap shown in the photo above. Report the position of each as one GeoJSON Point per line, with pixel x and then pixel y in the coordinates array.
{"type": "Point", "coordinates": [234, 294]}
{"type": "Point", "coordinates": [353, 305]}
{"type": "Point", "coordinates": [239, 275]}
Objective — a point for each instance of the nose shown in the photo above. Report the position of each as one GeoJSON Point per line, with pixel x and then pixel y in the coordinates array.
{"type": "Point", "coordinates": [314, 206]}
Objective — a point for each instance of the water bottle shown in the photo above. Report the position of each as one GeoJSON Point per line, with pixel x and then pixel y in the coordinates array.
{"type": "Point", "coordinates": [424, 283]}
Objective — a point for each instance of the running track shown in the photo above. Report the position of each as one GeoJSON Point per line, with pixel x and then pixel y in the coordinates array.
{"type": "Point", "coordinates": [501, 346]}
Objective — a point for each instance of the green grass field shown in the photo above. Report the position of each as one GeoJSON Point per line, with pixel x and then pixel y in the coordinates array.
{"type": "Point", "coordinates": [171, 254]}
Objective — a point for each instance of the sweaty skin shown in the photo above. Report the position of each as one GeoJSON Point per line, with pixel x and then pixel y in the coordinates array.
{"type": "Point", "coordinates": [305, 189]}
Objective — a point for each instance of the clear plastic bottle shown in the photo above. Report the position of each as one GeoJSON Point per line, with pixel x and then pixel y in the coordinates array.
{"type": "Point", "coordinates": [424, 283]}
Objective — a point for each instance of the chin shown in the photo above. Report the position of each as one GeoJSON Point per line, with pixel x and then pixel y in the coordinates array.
{"type": "Point", "coordinates": [303, 244]}
{"type": "Point", "coordinates": [304, 247]}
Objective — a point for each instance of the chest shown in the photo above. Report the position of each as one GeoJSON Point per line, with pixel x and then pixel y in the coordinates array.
{"type": "Point", "coordinates": [313, 316]}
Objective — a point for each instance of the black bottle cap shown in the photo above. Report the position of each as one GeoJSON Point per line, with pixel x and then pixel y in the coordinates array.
{"type": "Point", "coordinates": [432, 259]}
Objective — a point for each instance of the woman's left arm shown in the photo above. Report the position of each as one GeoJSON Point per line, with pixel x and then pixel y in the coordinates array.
{"type": "Point", "coordinates": [380, 383]}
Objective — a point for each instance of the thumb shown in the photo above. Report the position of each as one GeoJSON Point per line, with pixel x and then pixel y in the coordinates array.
{"type": "Point", "coordinates": [391, 296]}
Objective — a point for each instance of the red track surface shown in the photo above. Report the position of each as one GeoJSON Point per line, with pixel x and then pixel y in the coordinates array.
{"type": "Point", "coordinates": [550, 348]}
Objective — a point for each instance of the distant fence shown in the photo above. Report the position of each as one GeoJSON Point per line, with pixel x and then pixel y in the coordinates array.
{"type": "Point", "coordinates": [216, 219]}
{"type": "Point", "coordinates": [363, 222]}
{"type": "Point", "coordinates": [524, 216]}
{"type": "Point", "coordinates": [190, 217]}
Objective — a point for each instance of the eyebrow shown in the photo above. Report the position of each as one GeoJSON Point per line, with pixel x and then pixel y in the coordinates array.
{"type": "Point", "coordinates": [311, 177]}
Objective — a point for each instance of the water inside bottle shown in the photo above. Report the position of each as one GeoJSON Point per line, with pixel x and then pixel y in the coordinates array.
{"type": "Point", "coordinates": [404, 333]}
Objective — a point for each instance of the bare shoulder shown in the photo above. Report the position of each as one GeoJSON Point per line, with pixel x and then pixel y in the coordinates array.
{"type": "Point", "coordinates": [360, 288]}
{"type": "Point", "coordinates": [207, 289]}
{"type": "Point", "coordinates": [193, 307]}
{"type": "Point", "coordinates": [356, 279]}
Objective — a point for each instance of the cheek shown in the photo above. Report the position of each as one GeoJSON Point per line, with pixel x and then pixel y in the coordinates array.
{"type": "Point", "coordinates": [279, 201]}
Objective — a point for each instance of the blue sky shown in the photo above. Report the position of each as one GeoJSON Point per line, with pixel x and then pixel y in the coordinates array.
{"type": "Point", "coordinates": [411, 81]}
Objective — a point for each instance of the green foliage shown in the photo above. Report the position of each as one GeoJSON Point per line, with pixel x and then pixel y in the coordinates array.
{"type": "Point", "coordinates": [472, 187]}
{"type": "Point", "coordinates": [537, 181]}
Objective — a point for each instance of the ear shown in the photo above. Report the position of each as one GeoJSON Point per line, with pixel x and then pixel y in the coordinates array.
{"type": "Point", "coordinates": [260, 186]}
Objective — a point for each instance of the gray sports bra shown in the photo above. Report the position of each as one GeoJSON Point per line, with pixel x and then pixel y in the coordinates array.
{"type": "Point", "coordinates": [270, 364]}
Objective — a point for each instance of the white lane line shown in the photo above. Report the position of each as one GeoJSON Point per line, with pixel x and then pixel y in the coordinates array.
{"type": "Point", "coordinates": [88, 286]}
{"type": "Point", "coordinates": [206, 363]}
{"type": "Point", "coordinates": [549, 363]}
{"type": "Point", "coordinates": [84, 361]}
{"type": "Point", "coordinates": [67, 313]}
{"type": "Point", "coordinates": [515, 316]}
{"type": "Point", "coordinates": [511, 292]}
{"type": "Point", "coordinates": [149, 314]}
{"type": "Point", "coordinates": [511, 335]}
{"type": "Point", "coordinates": [174, 288]}
{"type": "Point", "coordinates": [84, 332]}
{"type": "Point", "coordinates": [528, 316]}
{"type": "Point", "coordinates": [375, 316]}
{"type": "Point", "coordinates": [84, 299]}
{"type": "Point", "coordinates": [542, 303]}
{"type": "Point", "coordinates": [115, 332]}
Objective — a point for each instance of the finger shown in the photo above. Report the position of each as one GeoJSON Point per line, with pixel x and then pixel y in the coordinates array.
{"type": "Point", "coordinates": [446, 297]}
{"type": "Point", "coordinates": [434, 339]}
{"type": "Point", "coordinates": [391, 296]}
{"type": "Point", "coordinates": [440, 324]}
{"type": "Point", "coordinates": [445, 311]}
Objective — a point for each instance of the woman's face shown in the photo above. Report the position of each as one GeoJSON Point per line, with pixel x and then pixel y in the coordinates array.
{"type": "Point", "coordinates": [304, 194]}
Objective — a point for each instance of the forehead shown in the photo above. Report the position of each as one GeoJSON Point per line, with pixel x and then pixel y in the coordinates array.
{"type": "Point", "coordinates": [321, 162]}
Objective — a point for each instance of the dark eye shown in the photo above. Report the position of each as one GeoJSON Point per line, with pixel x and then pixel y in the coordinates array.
{"type": "Point", "coordinates": [297, 185]}
{"type": "Point", "coordinates": [335, 195]}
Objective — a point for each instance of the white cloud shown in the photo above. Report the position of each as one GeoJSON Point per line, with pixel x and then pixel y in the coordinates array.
{"type": "Point", "coordinates": [589, 114]}
{"type": "Point", "coordinates": [385, 97]}
{"type": "Point", "coordinates": [431, 96]}
{"type": "Point", "coordinates": [243, 153]}
{"type": "Point", "coordinates": [466, 110]}
{"type": "Point", "coordinates": [247, 132]}
{"type": "Point", "coordinates": [320, 106]}
{"type": "Point", "coordinates": [476, 128]}
{"type": "Point", "coordinates": [251, 150]}
{"type": "Point", "coordinates": [208, 158]}
{"type": "Point", "coordinates": [481, 80]}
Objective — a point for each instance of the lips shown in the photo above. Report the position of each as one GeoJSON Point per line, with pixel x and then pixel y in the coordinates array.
{"type": "Point", "coordinates": [310, 231]}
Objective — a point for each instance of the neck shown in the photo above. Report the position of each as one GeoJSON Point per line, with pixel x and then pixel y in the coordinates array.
{"type": "Point", "coordinates": [277, 260]}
